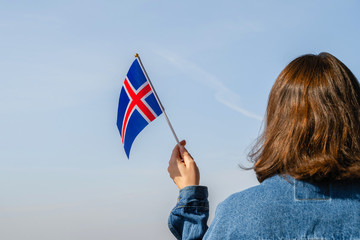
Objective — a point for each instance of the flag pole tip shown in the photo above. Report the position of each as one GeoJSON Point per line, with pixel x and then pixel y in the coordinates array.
{"type": "Point", "coordinates": [136, 55]}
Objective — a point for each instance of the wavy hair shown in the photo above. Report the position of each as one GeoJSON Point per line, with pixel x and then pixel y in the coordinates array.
{"type": "Point", "coordinates": [312, 126]}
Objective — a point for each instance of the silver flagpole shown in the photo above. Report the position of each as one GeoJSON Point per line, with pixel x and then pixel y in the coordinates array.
{"type": "Point", "coordinates": [157, 99]}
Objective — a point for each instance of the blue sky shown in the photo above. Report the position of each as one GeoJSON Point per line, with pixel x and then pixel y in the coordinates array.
{"type": "Point", "coordinates": [63, 172]}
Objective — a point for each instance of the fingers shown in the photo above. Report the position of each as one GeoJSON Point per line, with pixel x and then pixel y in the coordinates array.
{"type": "Point", "coordinates": [183, 143]}
{"type": "Point", "coordinates": [175, 159]}
{"type": "Point", "coordinates": [185, 155]}
{"type": "Point", "coordinates": [180, 154]}
{"type": "Point", "coordinates": [176, 150]}
{"type": "Point", "coordinates": [182, 168]}
{"type": "Point", "coordinates": [175, 153]}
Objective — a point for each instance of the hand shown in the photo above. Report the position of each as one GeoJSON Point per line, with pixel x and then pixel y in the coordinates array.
{"type": "Point", "coordinates": [182, 167]}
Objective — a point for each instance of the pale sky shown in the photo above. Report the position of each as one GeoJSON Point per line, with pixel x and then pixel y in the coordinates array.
{"type": "Point", "coordinates": [63, 171]}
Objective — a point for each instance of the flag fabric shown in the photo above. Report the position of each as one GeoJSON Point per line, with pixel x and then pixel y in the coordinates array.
{"type": "Point", "coordinates": [137, 105]}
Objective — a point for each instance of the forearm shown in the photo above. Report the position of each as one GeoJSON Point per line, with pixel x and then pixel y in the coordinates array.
{"type": "Point", "coordinates": [188, 219]}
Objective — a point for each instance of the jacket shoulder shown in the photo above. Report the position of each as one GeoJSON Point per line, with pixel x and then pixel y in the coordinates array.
{"type": "Point", "coordinates": [273, 190]}
{"type": "Point", "coordinates": [244, 212]}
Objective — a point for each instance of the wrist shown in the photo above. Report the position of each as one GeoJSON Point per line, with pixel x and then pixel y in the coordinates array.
{"type": "Point", "coordinates": [193, 192]}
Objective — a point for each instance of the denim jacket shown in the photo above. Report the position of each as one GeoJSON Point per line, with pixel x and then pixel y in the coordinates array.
{"type": "Point", "coordinates": [279, 208]}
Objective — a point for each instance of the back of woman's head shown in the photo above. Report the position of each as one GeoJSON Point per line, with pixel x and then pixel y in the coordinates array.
{"type": "Point", "coordinates": [312, 129]}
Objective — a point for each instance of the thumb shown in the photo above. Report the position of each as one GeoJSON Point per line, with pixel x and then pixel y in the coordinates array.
{"type": "Point", "coordinates": [185, 155]}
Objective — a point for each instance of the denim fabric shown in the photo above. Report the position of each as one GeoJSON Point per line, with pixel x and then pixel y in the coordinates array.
{"type": "Point", "coordinates": [188, 219]}
{"type": "Point", "coordinates": [279, 208]}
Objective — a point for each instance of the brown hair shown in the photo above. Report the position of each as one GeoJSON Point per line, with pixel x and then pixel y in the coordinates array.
{"type": "Point", "coordinates": [312, 127]}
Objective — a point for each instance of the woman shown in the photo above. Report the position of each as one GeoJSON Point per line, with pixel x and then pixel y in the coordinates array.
{"type": "Point", "coordinates": [307, 161]}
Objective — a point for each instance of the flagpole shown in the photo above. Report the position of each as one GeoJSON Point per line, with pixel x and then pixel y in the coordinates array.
{"type": "Point", "coordinates": [158, 100]}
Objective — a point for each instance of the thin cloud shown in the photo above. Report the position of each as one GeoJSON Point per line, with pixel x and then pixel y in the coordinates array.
{"type": "Point", "coordinates": [224, 100]}
{"type": "Point", "coordinates": [222, 93]}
